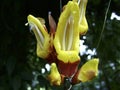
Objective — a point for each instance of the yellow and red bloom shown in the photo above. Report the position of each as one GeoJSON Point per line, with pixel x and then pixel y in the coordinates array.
{"type": "Point", "coordinates": [66, 41]}
{"type": "Point", "coordinates": [60, 47]}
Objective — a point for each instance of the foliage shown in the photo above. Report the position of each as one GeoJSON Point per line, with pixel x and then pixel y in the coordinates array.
{"type": "Point", "coordinates": [21, 68]}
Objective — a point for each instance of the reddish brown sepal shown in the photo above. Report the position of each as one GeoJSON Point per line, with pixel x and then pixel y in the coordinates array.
{"type": "Point", "coordinates": [68, 69]}
{"type": "Point", "coordinates": [52, 57]}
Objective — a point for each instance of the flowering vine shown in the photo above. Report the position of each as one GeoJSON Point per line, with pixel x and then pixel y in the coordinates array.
{"type": "Point", "coordinates": [60, 46]}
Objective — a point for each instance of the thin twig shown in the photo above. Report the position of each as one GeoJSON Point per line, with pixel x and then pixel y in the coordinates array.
{"type": "Point", "coordinates": [103, 28]}
{"type": "Point", "coordinates": [70, 87]}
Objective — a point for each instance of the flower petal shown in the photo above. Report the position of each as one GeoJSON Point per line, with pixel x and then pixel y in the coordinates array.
{"type": "Point", "coordinates": [88, 71]}
{"type": "Point", "coordinates": [67, 34]}
{"type": "Point", "coordinates": [68, 69]}
{"type": "Point", "coordinates": [83, 26]}
{"type": "Point", "coordinates": [69, 66]}
{"type": "Point", "coordinates": [41, 34]}
{"type": "Point", "coordinates": [54, 76]}
{"type": "Point", "coordinates": [66, 41]}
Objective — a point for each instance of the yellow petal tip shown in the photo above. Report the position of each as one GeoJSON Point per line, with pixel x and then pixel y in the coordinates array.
{"type": "Point", "coordinates": [89, 70]}
{"type": "Point", "coordinates": [54, 76]}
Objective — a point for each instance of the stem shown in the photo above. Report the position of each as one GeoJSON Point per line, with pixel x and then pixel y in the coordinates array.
{"type": "Point", "coordinates": [103, 28]}
{"type": "Point", "coordinates": [67, 84]}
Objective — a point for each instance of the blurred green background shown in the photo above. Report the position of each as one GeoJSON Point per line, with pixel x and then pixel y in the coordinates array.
{"type": "Point", "coordinates": [21, 69]}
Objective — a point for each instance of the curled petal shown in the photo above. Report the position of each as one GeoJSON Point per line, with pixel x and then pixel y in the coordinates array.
{"type": "Point", "coordinates": [87, 72]}
{"type": "Point", "coordinates": [42, 36]}
{"type": "Point", "coordinates": [54, 76]}
{"type": "Point", "coordinates": [83, 26]}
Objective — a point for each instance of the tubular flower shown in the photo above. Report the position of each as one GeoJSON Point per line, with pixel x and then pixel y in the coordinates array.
{"type": "Point", "coordinates": [45, 47]}
{"type": "Point", "coordinates": [66, 41]}
{"type": "Point", "coordinates": [60, 47]}
{"type": "Point", "coordinates": [42, 36]}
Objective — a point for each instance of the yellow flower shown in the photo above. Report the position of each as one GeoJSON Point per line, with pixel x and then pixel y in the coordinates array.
{"type": "Point", "coordinates": [66, 41]}
{"type": "Point", "coordinates": [87, 72]}
{"type": "Point", "coordinates": [42, 36]}
{"type": "Point", "coordinates": [54, 76]}
{"type": "Point", "coordinates": [60, 47]}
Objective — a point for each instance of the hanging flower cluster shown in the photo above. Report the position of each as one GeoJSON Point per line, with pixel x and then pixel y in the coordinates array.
{"type": "Point", "coordinates": [60, 47]}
